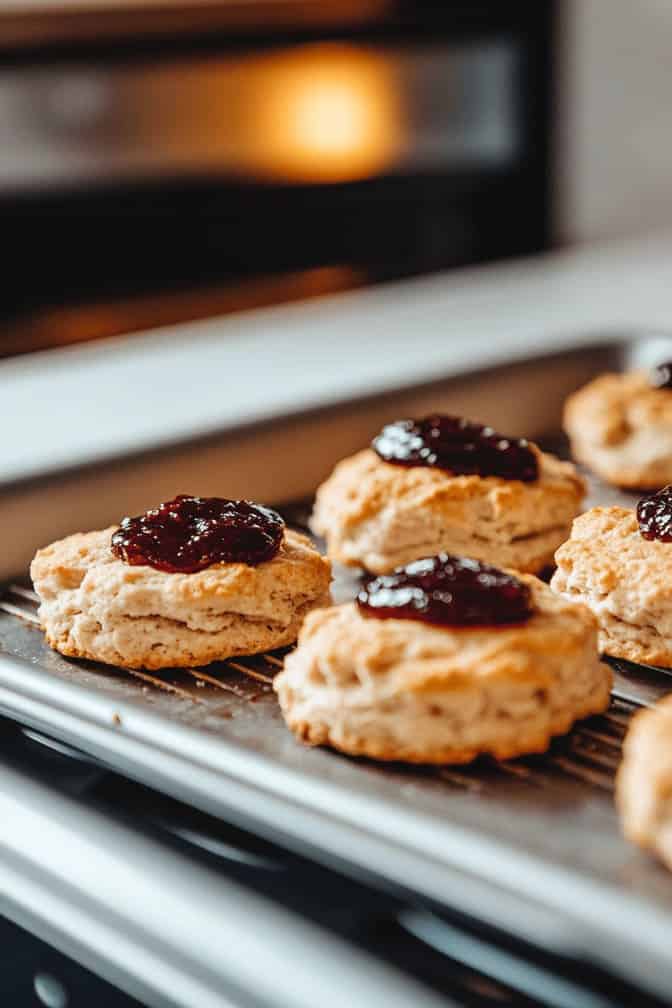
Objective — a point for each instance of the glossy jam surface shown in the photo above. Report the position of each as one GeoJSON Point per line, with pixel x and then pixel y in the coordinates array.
{"type": "Point", "coordinates": [447, 591]}
{"type": "Point", "coordinates": [654, 514]}
{"type": "Point", "coordinates": [455, 444]}
{"type": "Point", "coordinates": [189, 534]}
{"type": "Point", "coordinates": [661, 376]}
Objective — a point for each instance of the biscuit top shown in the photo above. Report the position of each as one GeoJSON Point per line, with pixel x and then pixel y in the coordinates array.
{"type": "Point", "coordinates": [85, 561]}
{"type": "Point", "coordinates": [613, 531]}
{"type": "Point", "coordinates": [609, 408]}
{"type": "Point", "coordinates": [417, 656]}
{"type": "Point", "coordinates": [608, 560]}
{"type": "Point", "coordinates": [363, 485]}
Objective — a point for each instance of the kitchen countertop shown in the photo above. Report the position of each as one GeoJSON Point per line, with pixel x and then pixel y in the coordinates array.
{"type": "Point", "coordinates": [100, 401]}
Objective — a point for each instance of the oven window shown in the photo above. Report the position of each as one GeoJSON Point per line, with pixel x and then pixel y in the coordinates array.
{"type": "Point", "coordinates": [161, 188]}
{"type": "Point", "coordinates": [316, 113]}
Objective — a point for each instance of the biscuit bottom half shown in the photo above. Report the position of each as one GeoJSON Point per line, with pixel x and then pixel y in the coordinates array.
{"type": "Point", "coordinates": [644, 781]}
{"type": "Point", "coordinates": [405, 690]}
{"type": "Point", "coordinates": [95, 606]}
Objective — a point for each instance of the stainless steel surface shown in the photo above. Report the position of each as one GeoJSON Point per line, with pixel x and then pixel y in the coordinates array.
{"type": "Point", "coordinates": [530, 845]}
{"type": "Point", "coordinates": [170, 931]}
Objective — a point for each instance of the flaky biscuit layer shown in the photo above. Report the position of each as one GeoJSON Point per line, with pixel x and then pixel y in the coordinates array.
{"type": "Point", "coordinates": [406, 690]}
{"type": "Point", "coordinates": [95, 606]}
{"type": "Point", "coordinates": [621, 427]}
{"type": "Point", "coordinates": [644, 781]}
{"type": "Point", "coordinates": [378, 516]}
{"type": "Point", "coordinates": [624, 579]}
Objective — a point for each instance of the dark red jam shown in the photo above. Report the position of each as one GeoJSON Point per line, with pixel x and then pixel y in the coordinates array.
{"type": "Point", "coordinates": [448, 591]}
{"type": "Point", "coordinates": [661, 376]}
{"type": "Point", "coordinates": [188, 534]}
{"type": "Point", "coordinates": [654, 514]}
{"type": "Point", "coordinates": [462, 447]}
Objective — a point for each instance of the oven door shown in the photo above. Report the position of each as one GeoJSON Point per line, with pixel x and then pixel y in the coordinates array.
{"type": "Point", "coordinates": [153, 180]}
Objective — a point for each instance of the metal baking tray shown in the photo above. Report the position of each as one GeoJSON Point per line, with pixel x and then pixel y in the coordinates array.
{"type": "Point", "coordinates": [530, 846]}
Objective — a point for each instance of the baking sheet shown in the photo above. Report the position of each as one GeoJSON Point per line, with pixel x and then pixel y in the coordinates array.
{"type": "Point", "coordinates": [530, 845]}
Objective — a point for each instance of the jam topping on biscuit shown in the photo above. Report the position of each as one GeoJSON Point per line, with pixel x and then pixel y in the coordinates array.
{"type": "Point", "coordinates": [448, 591]}
{"type": "Point", "coordinates": [457, 445]}
{"type": "Point", "coordinates": [661, 376]}
{"type": "Point", "coordinates": [654, 515]}
{"type": "Point", "coordinates": [188, 534]}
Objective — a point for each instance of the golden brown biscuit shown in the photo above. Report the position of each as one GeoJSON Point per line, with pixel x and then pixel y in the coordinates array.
{"type": "Point", "coordinates": [95, 606]}
{"type": "Point", "coordinates": [624, 579]}
{"type": "Point", "coordinates": [644, 781]}
{"type": "Point", "coordinates": [621, 427]}
{"type": "Point", "coordinates": [398, 689]}
{"type": "Point", "coordinates": [378, 515]}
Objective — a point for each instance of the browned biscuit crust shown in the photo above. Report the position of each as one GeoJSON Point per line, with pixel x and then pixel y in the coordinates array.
{"type": "Point", "coordinates": [624, 579]}
{"type": "Point", "coordinates": [405, 690]}
{"type": "Point", "coordinates": [377, 515]}
{"type": "Point", "coordinates": [621, 427]}
{"type": "Point", "coordinates": [95, 606]}
{"type": "Point", "coordinates": [644, 781]}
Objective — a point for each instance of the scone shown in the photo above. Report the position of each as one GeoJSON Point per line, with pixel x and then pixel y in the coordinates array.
{"type": "Point", "coordinates": [96, 605]}
{"type": "Point", "coordinates": [644, 781]}
{"type": "Point", "coordinates": [625, 579]}
{"type": "Point", "coordinates": [377, 515]}
{"type": "Point", "coordinates": [620, 426]}
{"type": "Point", "coordinates": [402, 689]}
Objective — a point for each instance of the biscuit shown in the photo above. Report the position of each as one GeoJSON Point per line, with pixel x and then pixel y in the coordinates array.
{"type": "Point", "coordinates": [644, 781]}
{"type": "Point", "coordinates": [624, 579]}
{"type": "Point", "coordinates": [399, 689]}
{"type": "Point", "coordinates": [379, 516]}
{"type": "Point", "coordinates": [621, 427]}
{"type": "Point", "coordinates": [95, 606]}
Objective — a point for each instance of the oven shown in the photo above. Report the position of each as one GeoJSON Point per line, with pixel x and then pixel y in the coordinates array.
{"type": "Point", "coordinates": [172, 162]}
{"type": "Point", "coordinates": [216, 200]}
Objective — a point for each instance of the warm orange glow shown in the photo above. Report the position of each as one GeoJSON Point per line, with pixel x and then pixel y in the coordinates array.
{"type": "Point", "coordinates": [322, 113]}
{"type": "Point", "coordinates": [329, 119]}
{"type": "Point", "coordinates": [312, 113]}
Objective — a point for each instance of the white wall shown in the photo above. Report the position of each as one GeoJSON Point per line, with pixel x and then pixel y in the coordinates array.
{"type": "Point", "coordinates": [615, 141]}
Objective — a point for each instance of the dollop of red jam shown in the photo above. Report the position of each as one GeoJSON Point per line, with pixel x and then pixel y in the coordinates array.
{"type": "Point", "coordinates": [188, 534]}
{"type": "Point", "coordinates": [661, 376]}
{"type": "Point", "coordinates": [654, 515]}
{"type": "Point", "coordinates": [448, 591]}
{"type": "Point", "coordinates": [455, 444]}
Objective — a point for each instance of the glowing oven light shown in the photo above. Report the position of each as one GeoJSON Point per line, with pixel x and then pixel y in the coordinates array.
{"type": "Point", "coordinates": [323, 113]}
{"type": "Point", "coordinates": [312, 113]}
{"type": "Point", "coordinates": [330, 119]}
